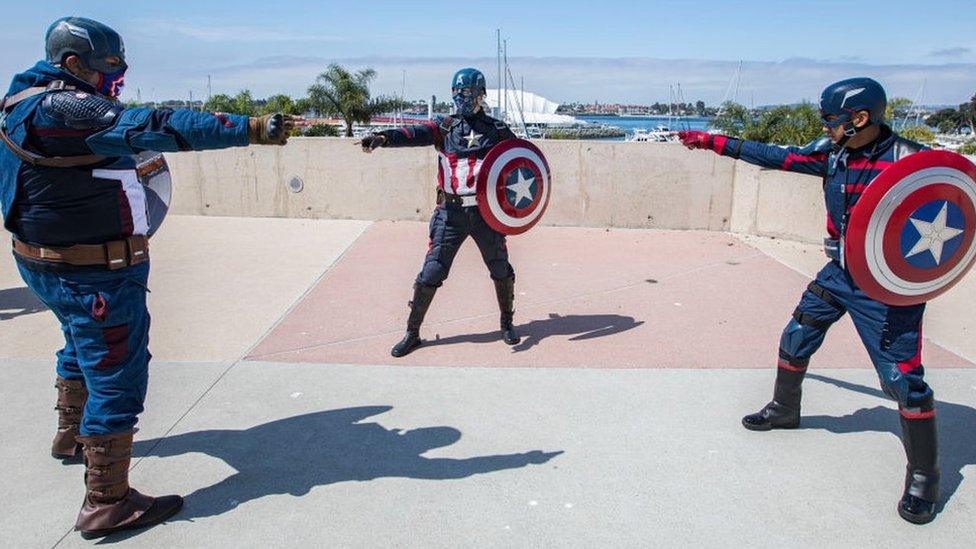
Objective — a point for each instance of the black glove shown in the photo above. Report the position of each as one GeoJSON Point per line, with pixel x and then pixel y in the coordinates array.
{"type": "Point", "coordinates": [372, 141]}
{"type": "Point", "coordinates": [271, 129]}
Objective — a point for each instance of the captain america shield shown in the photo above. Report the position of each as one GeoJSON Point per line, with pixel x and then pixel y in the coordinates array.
{"type": "Point", "coordinates": [153, 173]}
{"type": "Point", "coordinates": [911, 234]}
{"type": "Point", "coordinates": [513, 186]}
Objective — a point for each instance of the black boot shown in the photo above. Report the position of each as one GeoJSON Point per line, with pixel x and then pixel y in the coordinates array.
{"type": "Point", "coordinates": [918, 503]}
{"type": "Point", "coordinates": [784, 411]}
{"type": "Point", "coordinates": [505, 291]}
{"type": "Point", "coordinates": [422, 296]}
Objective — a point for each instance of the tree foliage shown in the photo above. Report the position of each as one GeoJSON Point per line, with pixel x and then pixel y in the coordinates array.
{"type": "Point", "coordinates": [321, 130]}
{"type": "Point", "coordinates": [303, 106]}
{"type": "Point", "coordinates": [968, 148]}
{"type": "Point", "coordinates": [947, 120]}
{"type": "Point", "coordinates": [783, 125]}
{"type": "Point", "coordinates": [219, 103]}
{"type": "Point", "coordinates": [918, 133]}
{"type": "Point", "coordinates": [280, 103]}
{"type": "Point", "coordinates": [731, 119]}
{"type": "Point", "coordinates": [897, 108]}
{"type": "Point", "coordinates": [786, 125]}
{"type": "Point", "coordinates": [242, 103]}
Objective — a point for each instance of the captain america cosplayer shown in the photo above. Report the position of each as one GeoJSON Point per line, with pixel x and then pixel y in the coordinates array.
{"type": "Point", "coordinates": [76, 211]}
{"type": "Point", "coordinates": [462, 141]}
{"type": "Point", "coordinates": [857, 147]}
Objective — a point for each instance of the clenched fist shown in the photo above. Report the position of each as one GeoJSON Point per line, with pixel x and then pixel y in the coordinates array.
{"type": "Point", "coordinates": [372, 141]}
{"type": "Point", "coordinates": [696, 139]}
{"type": "Point", "coordinates": [271, 129]}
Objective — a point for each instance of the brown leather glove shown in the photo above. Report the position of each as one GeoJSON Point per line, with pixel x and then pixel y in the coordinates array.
{"type": "Point", "coordinates": [270, 129]}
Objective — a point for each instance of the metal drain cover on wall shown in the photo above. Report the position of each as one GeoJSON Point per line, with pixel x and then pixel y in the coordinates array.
{"type": "Point", "coordinates": [295, 184]}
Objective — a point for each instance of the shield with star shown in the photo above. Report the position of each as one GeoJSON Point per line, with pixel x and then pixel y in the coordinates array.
{"type": "Point", "coordinates": [153, 173]}
{"type": "Point", "coordinates": [910, 235]}
{"type": "Point", "coordinates": [513, 186]}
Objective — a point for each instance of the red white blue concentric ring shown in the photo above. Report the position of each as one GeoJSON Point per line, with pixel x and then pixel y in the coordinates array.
{"type": "Point", "coordinates": [500, 162]}
{"type": "Point", "coordinates": [874, 251]}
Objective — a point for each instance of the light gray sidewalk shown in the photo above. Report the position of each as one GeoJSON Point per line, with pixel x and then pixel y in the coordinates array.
{"type": "Point", "coordinates": [295, 455]}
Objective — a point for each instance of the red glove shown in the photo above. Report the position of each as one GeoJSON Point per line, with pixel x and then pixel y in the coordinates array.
{"type": "Point", "coordinates": [696, 139]}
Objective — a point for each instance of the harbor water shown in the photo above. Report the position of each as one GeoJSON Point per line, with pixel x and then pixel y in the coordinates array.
{"type": "Point", "coordinates": [631, 123]}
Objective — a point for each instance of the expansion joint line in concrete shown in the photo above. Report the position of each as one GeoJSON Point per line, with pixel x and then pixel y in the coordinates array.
{"type": "Point", "coordinates": [487, 315]}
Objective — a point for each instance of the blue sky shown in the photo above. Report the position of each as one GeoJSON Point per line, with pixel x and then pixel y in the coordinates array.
{"type": "Point", "coordinates": [568, 50]}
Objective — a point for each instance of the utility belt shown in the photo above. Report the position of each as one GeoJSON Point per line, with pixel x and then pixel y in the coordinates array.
{"type": "Point", "coordinates": [114, 255]}
{"type": "Point", "coordinates": [465, 201]}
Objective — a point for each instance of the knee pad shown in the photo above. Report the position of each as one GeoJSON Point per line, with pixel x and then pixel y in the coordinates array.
{"type": "Point", "coordinates": [895, 386]}
{"type": "Point", "coordinates": [795, 340]}
{"type": "Point", "coordinates": [433, 274]}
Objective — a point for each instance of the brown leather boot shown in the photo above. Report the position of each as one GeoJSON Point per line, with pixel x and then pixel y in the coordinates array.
{"type": "Point", "coordinates": [72, 396]}
{"type": "Point", "coordinates": [110, 504]}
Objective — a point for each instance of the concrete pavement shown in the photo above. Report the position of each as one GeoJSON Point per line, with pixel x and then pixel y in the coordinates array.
{"type": "Point", "coordinates": [617, 424]}
{"type": "Point", "coordinates": [294, 455]}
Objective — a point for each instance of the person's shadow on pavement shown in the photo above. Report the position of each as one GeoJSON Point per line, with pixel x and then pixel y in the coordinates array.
{"type": "Point", "coordinates": [581, 327]}
{"type": "Point", "coordinates": [295, 454]}
{"type": "Point", "coordinates": [956, 426]}
{"type": "Point", "coordinates": [16, 302]}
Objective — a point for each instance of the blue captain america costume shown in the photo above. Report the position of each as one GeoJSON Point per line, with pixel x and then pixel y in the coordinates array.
{"type": "Point", "coordinates": [462, 141]}
{"type": "Point", "coordinates": [858, 148]}
{"type": "Point", "coordinates": [71, 195]}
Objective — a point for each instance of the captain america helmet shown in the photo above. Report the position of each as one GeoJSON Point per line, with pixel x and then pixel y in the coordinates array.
{"type": "Point", "coordinates": [90, 40]}
{"type": "Point", "coordinates": [466, 87]}
{"type": "Point", "coordinates": [841, 100]}
{"type": "Point", "coordinates": [469, 78]}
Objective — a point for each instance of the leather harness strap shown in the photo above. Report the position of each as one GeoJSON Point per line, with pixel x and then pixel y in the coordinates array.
{"type": "Point", "coordinates": [33, 158]}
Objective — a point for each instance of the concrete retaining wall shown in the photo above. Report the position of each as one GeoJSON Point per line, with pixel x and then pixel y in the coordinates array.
{"type": "Point", "coordinates": [596, 184]}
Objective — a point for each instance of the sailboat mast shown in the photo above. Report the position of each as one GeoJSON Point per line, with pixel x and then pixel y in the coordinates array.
{"type": "Point", "coordinates": [498, 59]}
{"type": "Point", "coordinates": [504, 78]}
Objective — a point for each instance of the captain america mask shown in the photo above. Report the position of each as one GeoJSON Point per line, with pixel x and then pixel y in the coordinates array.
{"type": "Point", "coordinates": [110, 85]}
{"type": "Point", "coordinates": [466, 101]}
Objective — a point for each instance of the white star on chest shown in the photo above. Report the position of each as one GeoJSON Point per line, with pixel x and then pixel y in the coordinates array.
{"type": "Point", "coordinates": [933, 235]}
{"type": "Point", "coordinates": [522, 188]}
{"type": "Point", "coordinates": [472, 138]}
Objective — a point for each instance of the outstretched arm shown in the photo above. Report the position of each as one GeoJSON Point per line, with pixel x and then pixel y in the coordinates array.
{"type": "Point", "coordinates": [810, 160]}
{"type": "Point", "coordinates": [139, 129]}
{"type": "Point", "coordinates": [415, 135]}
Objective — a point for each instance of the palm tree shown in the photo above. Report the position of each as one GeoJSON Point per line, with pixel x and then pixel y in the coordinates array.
{"type": "Point", "coordinates": [280, 103]}
{"type": "Point", "coordinates": [338, 92]}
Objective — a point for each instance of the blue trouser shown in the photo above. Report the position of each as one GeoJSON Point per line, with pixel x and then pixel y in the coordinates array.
{"type": "Point", "coordinates": [105, 323]}
{"type": "Point", "coordinates": [891, 335]}
{"type": "Point", "coordinates": [450, 225]}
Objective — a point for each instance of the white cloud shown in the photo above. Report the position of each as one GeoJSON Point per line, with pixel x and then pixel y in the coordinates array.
{"type": "Point", "coordinates": [951, 52]}
{"type": "Point", "coordinates": [642, 80]}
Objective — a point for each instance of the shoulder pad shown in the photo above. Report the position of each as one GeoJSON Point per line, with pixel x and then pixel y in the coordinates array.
{"type": "Point", "coordinates": [820, 145]}
{"type": "Point", "coordinates": [904, 147]}
{"type": "Point", "coordinates": [446, 122]}
{"type": "Point", "coordinates": [80, 110]}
